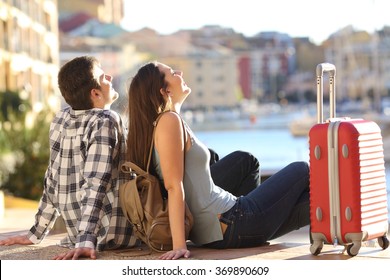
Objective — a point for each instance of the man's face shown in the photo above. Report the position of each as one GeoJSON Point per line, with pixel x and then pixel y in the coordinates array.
{"type": "Point", "coordinates": [108, 93]}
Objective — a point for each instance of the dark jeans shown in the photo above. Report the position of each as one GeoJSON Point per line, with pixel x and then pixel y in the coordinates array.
{"type": "Point", "coordinates": [238, 172]}
{"type": "Point", "coordinates": [276, 207]}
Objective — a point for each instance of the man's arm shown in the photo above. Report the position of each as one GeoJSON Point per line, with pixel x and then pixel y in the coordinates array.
{"type": "Point", "coordinates": [45, 217]}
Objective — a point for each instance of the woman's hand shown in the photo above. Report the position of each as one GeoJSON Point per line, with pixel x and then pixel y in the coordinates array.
{"type": "Point", "coordinates": [175, 254]}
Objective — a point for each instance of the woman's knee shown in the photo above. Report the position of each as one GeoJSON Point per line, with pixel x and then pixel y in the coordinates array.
{"type": "Point", "coordinates": [300, 166]}
{"type": "Point", "coordinates": [299, 170]}
{"type": "Point", "coordinates": [248, 158]}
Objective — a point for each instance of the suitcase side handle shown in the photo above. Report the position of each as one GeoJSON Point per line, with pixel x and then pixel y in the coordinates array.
{"type": "Point", "coordinates": [320, 70]}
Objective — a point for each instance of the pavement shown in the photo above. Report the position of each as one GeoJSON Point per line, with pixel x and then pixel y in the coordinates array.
{"type": "Point", "coordinates": [18, 218]}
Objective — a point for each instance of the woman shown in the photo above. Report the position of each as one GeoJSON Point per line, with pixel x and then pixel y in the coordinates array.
{"type": "Point", "coordinates": [221, 219]}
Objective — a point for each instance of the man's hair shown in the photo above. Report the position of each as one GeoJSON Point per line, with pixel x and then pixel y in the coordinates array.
{"type": "Point", "coordinates": [76, 80]}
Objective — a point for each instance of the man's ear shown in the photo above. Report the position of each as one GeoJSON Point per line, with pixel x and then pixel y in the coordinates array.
{"type": "Point", "coordinates": [95, 97]}
{"type": "Point", "coordinates": [95, 94]}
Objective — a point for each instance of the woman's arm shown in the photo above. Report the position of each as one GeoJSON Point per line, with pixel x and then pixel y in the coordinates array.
{"type": "Point", "coordinates": [170, 146]}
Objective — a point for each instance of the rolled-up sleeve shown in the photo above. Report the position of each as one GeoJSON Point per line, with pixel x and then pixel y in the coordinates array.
{"type": "Point", "coordinates": [46, 215]}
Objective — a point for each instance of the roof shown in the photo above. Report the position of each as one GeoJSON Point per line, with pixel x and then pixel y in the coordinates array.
{"type": "Point", "coordinates": [95, 28]}
{"type": "Point", "coordinates": [73, 21]}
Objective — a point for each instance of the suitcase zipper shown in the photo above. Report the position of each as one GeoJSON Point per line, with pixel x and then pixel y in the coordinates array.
{"type": "Point", "coordinates": [334, 188]}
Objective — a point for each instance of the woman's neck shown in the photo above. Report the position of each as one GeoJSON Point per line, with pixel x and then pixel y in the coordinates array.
{"type": "Point", "coordinates": [177, 107]}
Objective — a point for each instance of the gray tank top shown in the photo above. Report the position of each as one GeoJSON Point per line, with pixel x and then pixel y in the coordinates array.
{"type": "Point", "coordinates": [204, 198]}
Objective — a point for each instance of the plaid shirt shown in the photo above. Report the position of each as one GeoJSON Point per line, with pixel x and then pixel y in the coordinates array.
{"type": "Point", "coordinates": [82, 180]}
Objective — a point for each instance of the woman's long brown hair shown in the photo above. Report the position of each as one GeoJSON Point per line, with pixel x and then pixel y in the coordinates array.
{"type": "Point", "coordinates": [145, 103]}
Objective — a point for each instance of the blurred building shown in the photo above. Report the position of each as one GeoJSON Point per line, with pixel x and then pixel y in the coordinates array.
{"type": "Point", "coordinates": [362, 62]}
{"type": "Point", "coordinates": [29, 50]}
{"type": "Point", "coordinates": [300, 85]}
{"type": "Point", "coordinates": [273, 60]}
{"type": "Point", "coordinates": [353, 54]}
{"type": "Point", "coordinates": [383, 50]}
{"type": "Point", "coordinates": [224, 67]}
{"type": "Point", "coordinates": [107, 11]}
{"type": "Point", "coordinates": [211, 75]}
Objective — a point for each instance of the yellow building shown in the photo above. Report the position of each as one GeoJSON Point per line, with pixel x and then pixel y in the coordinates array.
{"type": "Point", "coordinates": [29, 50]}
{"type": "Point", "coordinates": [107, 11]}
{"type": "Point", "coordinates": [212, 76]}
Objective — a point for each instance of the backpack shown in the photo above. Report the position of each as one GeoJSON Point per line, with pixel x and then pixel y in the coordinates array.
{"type": "Point", "coordinates": [146, 208]}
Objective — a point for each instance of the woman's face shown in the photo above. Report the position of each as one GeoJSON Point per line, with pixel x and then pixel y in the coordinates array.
{"type": "Point", "coordinates": [177, 89]}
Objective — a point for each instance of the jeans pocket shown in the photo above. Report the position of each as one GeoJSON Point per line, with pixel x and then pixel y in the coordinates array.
{"type": "Point", "coordinates": [244, 241]}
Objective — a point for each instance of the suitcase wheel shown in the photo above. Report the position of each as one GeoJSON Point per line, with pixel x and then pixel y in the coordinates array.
{"type": "Point", "coordinates": [316, 247]}
{"type": "Point", "coordinates": [353, 249]}
{"type": "Point", "coordinates": [383, 242]}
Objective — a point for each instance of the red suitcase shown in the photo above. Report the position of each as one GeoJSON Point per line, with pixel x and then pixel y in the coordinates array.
{"type": "Point", "coordinates": [348, 198]}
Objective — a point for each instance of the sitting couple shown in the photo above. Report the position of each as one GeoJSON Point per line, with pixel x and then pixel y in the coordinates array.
{"type": "Point", "coordinates": [89, 142]}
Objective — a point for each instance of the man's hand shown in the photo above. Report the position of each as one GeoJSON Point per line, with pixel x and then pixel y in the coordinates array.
{"type": "Point", "coordinates": [17, 239]}
{"type": "Point", "coordinates": [74, 254]}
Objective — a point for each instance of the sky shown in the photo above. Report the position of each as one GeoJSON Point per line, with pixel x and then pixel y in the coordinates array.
{"type": "Point", "coordinates": [299, 18]}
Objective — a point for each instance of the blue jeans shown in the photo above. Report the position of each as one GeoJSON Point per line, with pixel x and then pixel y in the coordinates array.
{"type": "Point", "coordinates": [278, 206]}
{"type": "Point", "coordinates": [237, 172]}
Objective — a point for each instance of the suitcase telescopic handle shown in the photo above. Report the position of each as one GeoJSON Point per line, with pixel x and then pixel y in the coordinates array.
{"type": "Point", "coordinates": [320, 70]}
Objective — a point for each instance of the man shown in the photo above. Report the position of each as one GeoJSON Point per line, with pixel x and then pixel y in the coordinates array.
{"type": "Point", "coordinates": [87, 147]}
